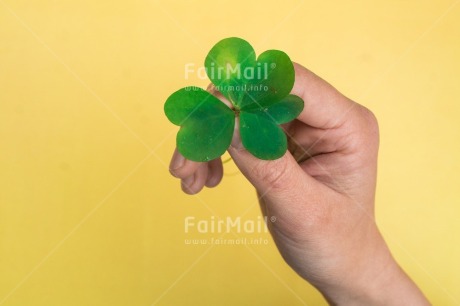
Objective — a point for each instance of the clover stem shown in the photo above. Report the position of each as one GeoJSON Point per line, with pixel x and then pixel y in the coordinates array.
{"type": "Point", "coordinates": [226, 160]}
{"type": "Point", "coordinates": [236, 110]}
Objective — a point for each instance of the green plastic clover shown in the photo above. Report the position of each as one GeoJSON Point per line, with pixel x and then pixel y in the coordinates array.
{"type": "Point", "coordinates": [259, 92]}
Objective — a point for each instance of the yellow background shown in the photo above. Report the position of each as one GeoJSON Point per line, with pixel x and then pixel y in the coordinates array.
{"type": "Point", "coordinates": [88, 212]}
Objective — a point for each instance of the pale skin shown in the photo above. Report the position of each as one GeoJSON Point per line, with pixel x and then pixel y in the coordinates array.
{"type": "Point", "coordinates": [322, 193]}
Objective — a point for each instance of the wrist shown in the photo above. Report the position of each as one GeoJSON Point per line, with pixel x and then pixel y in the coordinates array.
{"type": "Point", "coordinates": [376, 280]}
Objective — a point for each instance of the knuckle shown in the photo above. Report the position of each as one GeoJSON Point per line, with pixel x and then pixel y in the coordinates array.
{"type": "Point", "coordinates": [370, 120]}
{"type": "Point", "coordinates": [274, 174]}
{"type": "Point", "coordinates": [365, 129]}
{"type": "Point", "coordinates": [177, 173]}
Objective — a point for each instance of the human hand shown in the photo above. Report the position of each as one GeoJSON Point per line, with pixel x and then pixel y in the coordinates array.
{"type": "Point", "coordinates": [322, 195]}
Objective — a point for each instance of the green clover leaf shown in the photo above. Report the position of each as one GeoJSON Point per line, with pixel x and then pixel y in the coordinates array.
{"type": "Point", "coordinates": [206, 123]}
{"type": "Point", "coordinates": [258, 89]}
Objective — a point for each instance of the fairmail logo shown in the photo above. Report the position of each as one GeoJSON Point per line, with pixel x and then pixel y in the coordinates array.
{"type": "Point", "coordinates": [226, 225]}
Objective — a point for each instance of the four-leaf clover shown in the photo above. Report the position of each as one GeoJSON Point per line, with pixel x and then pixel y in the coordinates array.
{"type": "Point", "coordinates": [258, 89]}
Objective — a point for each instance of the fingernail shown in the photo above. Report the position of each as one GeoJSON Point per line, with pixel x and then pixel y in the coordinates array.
{"type": "Point", "coordinates": [188, 181]}
{"type": "Point", "coordinates": [177, 161]}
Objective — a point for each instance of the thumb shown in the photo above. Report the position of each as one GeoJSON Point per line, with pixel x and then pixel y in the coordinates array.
{"type": "Point", "coordinates": [280, 179]}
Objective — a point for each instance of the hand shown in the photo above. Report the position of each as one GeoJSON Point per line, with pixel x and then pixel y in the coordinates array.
{"type": "Point", "coordinates": [322, 195]}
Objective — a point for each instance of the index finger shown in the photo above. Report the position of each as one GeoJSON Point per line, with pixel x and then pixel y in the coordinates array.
{"type": "Point", "coordinates": [324, 106]}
